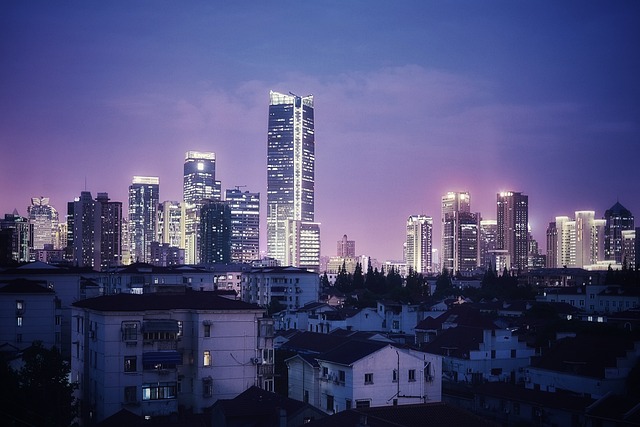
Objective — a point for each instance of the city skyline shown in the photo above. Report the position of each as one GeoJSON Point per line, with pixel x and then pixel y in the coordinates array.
{"type": "Point", "coordinates": [411, 101]}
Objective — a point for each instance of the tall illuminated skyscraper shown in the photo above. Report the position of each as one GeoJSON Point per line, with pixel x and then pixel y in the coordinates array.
{"type": "Point", "coordinates": [143, 211]}
{"type": "Point", "coordinates": [618, 218]}
{"type": "Point", "coordinates": [108, 232]}
{"type": "Point", "coordinates": [43, 223]}
{"type": "Point", "coordinates": [487, 242]}
{"type": "Point", "coordinates": [579, 242]}
{"type": "Point", "coordinates": [245, 225]}
{"type": "Point", "coordinates": [293, 238]}
{"type": "Point", "coordinates": [453, 204]}
{"type": "Point", "coordinates": [513, 227]}
{"type": "Point", "coordinates": [199, 186]}
{"type": "Point", "coordinates": [215, 232]}
{"type": "Point", "coordinates": [170, 223]}
{"type": "Point", "coordinates": [419, 243]}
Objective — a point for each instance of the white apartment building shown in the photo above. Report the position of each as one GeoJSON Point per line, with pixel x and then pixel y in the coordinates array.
{"type": "Point", "coordinates": [154, 353]}
{"type": "Point", "coordinates": [291, 286]}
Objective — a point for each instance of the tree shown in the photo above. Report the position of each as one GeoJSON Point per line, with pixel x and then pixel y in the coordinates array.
{"type": "Point", "coordinates": [358, 277]}
{"type": "Point", "coordinates": [41, 393]}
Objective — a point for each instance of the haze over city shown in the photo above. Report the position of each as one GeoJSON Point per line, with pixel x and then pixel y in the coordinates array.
{"type": "Point", "coordinates": [412, 100]}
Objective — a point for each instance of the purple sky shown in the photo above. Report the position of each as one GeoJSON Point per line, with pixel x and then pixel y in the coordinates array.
{"type": "Point", "coordinates": [412, 99]}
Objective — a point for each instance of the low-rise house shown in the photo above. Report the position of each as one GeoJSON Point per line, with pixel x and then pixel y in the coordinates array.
{"type": "Point", "coordinates": [155, 354]}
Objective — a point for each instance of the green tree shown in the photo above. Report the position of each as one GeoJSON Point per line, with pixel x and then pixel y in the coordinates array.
{"type": "Point", "coordinates": [358, 277]}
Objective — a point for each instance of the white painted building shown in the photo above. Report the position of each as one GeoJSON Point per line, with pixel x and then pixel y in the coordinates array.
{"type": "Point", "coordinates": [365, 374]}
{"type": "Point", "coordinates": [595, 299]}
{"type": "Point", "coordinates": [291, 286]}
{"type": "Point", "coordinates": [155, 353]}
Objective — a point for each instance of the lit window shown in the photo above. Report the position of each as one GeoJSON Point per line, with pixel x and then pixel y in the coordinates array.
{"type": "Point", "coordinates": [206, 359]}
{"type": "Point", "coordinates": [130, 364]}
{"type": "Point", "coordinates": [159, 391]}
{"type": "Point", "coordinates": [19, 319]}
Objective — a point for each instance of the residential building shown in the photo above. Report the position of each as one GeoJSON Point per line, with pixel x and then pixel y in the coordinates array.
{"type": "Point", "coordinates": [629, 252]}
{"type": "Point", "coordinates": [163, 255]}
{"type": "Point", "coordinates": [43, 224]}
{"type": "Point", "coordinates": [161, 353]}
{"type": "Point", "coordinates": [107, 233]}
{"type": "Point", "coordinates": [199, 186]}
{"type": "Point", "coordinates": [14, 239]}
{"type": "Point", "coordinates": [513, 227]}
{"type": "Point", "coordinates": [83, 213]}
{"type": "Point", "coordinates": [467, 243]}
{"type": "Point", "coordinates": [552, 246]}
{"type": "Point", "coordinates": [290, 286]}
{"type": "Point", "coordinates": [292, 233]}
{"type": "Point", "coordinates": [453, 203]}
{"type": "Point", "coordinates": [487, 242]}
{"type": "Point", "coordinates": [143, 212]}
{"type": "Point", "coordinates": [215, 232]}
{"type": "Point", "coordinates": [419, 243]}
{"type": "Point", "coordinates": [617, 219]}
{"type": "Point", "coordinates": [170, 223]}
{"type": "Point", "coordinates": [245, 225]}
{"type": "Point", "coordinates": [346, 248]}
{"type": "Point", "coordinates": [579, 242]}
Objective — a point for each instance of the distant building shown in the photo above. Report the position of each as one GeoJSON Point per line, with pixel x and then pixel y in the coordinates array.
{"type": "Point", "coordinates": [81, 214]}
{"type": "Point", "coordinates": [245, 225]}
{"type": "Point", "coordinates": [346, 248]}
{"type": "Point", "coordinates": [215, 232]}
{"type": "Point", "coordinates": [163, 255]}
{"type": "Point", "coordinates": [199, 186]}
{"type": "Point", "coordinates": [108, 233]}
{"type": "Point", "coordinates": [513, 227]}
{"type": "Point", "coordinates": [487, 242]}
{"type": "Point", "coordinates": [160, 353]}
{"type": "Point", "coordinates": [43, 224]}
{"type": "Point", "coordinates": [290, 286]}
{"type": "Point", "coordinates": [419, 243]}
{"type": "Point", "coordinates": [453, 204]}
{"type": "Point", "coordinates": [579, 242]}
{"type": "Point", "coordinates": [143, 211]}
{"type": "Point", "coordinates": [618, 218]}
{"type": "Point", "coordinates": [14, 239]}
{"type": "Point", "coordinates": [170, 223]}
{"type": "Point", "coordinates": [629, 248]}
{"type": "Point", "coordinates": [293, 236]}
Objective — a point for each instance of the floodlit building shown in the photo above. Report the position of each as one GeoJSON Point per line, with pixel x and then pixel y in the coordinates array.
{"type": "Point", "coordinates": [419, 243]}
{"type": "Point", "coordinates": [513, 227]}
{"type": "Point", "coordinates": [143, 211]}
{"type": "Point", "coordinates": [487, 243]}
{"type": "Point", "coordinates": [453, 204]}
{"type": "Point", "coordinates": [578, 242]}
{"type": "Point", "coordinates": [245, 225]}
{"type": "Point", "coordinates": [43, 223]}
{"type": "Point", "coordinates": [170, 223]}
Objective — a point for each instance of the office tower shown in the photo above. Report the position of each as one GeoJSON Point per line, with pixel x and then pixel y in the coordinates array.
{"type": "Point", "coordinates": [108, 233]}
{"type": "Point", "coordinates": [487, 243]}
{"type": "Point", "coordinates": [536, 259]}
{"type": "Point", "coordinates": [346, 248]}
{"type": "Point", "coordinates": [143, 210]}
{"type": "Point", "coordinates": [245, 225]}
{"type": "Point", "coordinates": [419, 243]}
{"type": "Point", "coordinates": [467, 242]}
{"type": "Point", "coordinates": [82, 211]}
{"type": "Point", "coordinates": [453, 203]}
{"type": "Point", "coordinates": [43, 224]}
{"type": "Point", "coordinates": [618, 218]}
{"type": "Point", "coordinates": [170, 223]}
{"type": "Point", "coordinates": [629, 244]}
{"type": "Point", "coordinates": [199, 186]}
{"type": "Point", "coordinates": [14, 238]}
{"type": "Point", "coordinates": [513, 228]}
{"type": "Point", "coordinates": [290, 181]}
{"type": "Point", "coordinates": [579, 242]}
{"type": "Point", "coordinates": [552, 245]}
{"type": "Point", "coordinates": [215, 232]}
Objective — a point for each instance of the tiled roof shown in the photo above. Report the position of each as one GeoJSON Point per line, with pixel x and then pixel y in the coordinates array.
{"type": "Point", "coordinates": [24, 286]}
{"type": "Point", "coordinates": [426, 414]}
{"type": "Point", "coordinates": [194, 300]}
{"type": "Point", "coordinates": [258, 402]}
{"type": "Point", "coordinates": [314, 342]}
{"type": "Point", "coordinates": [456, 342]}
{"type": "Point", "coordinates": [351, 351]}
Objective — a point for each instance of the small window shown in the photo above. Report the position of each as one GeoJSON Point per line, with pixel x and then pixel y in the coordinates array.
{"type": "Point", "coordinates": [130, 394]}
{"type": "Point", "coordinates": [394, 377]}
{"type": "Point", "coordinates": [19, 306]}
{"type": "Point", "coordinates": [329, 402]}
{"type": "Point", "coordinates": [347, 403]}
{"type": "Point", "coordinates": [412, 374]}
{"type": "Point", "coordinates": [58, 320]}
{"type": "Point", "coordinates": [19, 338]}
{"type": "Point", "coordinates": [207, 331]}
{"type": "Point", "coordinates": [129, 331]}
{"type": "Point", "coordinates": [368, 378]}
{"type": "Point", "coordinates": [341, 376]}
{"type": "Point", "coordinates": [130, 364]}
{"type": "Point", "coordinates": [363, 403]}
{"type": "Point", "coordinates": [19, 320]}
{"type": "Point", "coordinates": [207, 387]}
{"type": "Point", "coordinates": [206, 359]}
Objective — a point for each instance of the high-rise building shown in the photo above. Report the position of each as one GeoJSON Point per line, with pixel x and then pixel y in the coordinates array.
{"type": "Point", "coordinates": [170, 223]}
{"type": "Point", "coordinates": [14, 238]}
{"type": "Point", "coordinates": [419, 243]}
{"type": "Point", "coordinates": [143, 211]}
{"type": "Point", "coordinates": [618, 218]}
{"type": "Point", "coordinates": [43, 224]}
{"type": "Point", "coordinates": [215, 232]}
{"type": "Point", "coordinates": [82, 211]}
{"type": "Point", "coordinates": [453, 204]}
{"type": "Point", "coordinates": [346, 248]}
{"type": "Point", "coordinates": [629, 244]}
{"type": "Point", "coordinates": [487, 244]}
{"type": "Point", "coordinates": [108, 233]}
{"type": "Point", "coordinates": [245, 225]}
{"type": "Point", "coordinates": [579, 242]}
{"type": "Point", "coordinates": [199, 186]}
{"type": "Point", "coordinates": [467, 242]}
{"type": "Point", "coordinates": [552, 246]}
{"type": "Point", "coordinates": [513, 227]}
{"type": "Point", "coordinates": [292, 235]}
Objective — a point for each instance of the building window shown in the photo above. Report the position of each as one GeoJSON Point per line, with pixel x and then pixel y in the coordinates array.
{"type": "Point", "coordinates": [363, 403]}
{"type": "Point", "coordinates": [130, 364]}
{"type": "Point", "coordinates": [395, 376]}
{"type": "Point", "coordinates": [19, 338]}
{"type": "Point", "coordinates": [347, 403]}
{"type": "Point", "coordinates": [58, 320]}
{"type": "Point", "coordinates": [206, 359]}
{"type": "Point", "coordinates": [412, 374]}
{"type": "Point", "coordinates": [342, 376]}
{"type": "Point", "coordinates": [513, 354]}
{"type": "Point", "coordinates": [493, 354]}
{"type": "Point", "coordinates": [306, 396]}
{"type": "Point", "coordinates": [207, 387]}
{"type": "Point", "coordinates": [130, 395]}
{"type": "Point", "coordinates": [207, 331]}
{"type": "Point", "coordinates": [19, 306]}
{"type": "Point", "coordinates": [329, 402]}
{"type": "Point", "coordinates": [368, 378]}
{"type": "Point", "coordinates": [325, 371]}
{"type": "Point", "coordinates": [159, 391]}
{"type": "Point", "coordinates": [129, 331]}
{"type": "Point", "coordinates": [19, 320]}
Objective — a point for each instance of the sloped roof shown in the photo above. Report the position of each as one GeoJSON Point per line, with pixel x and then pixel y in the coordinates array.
{"type": "Point", "coordinates": [456, 342]}
{"type": "Point", "coordinates": [314, 342]}
{"type": "Point", "coordinates": [425, 414]}
{"type": "Point", "coordinates": [585, 355]}
{"type": "Point", "coordinates": [24, 286]}
{"type": "Point", "coordinates": [351, 351]}
{"type": "Point", "coordinates": [193, 300]}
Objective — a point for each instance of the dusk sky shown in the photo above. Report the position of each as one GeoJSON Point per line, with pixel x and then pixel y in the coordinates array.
{"type": "Point", "coordinates": [412, 99]}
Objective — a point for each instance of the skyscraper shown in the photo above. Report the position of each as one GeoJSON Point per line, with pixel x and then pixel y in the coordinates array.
{"type": "Point", "coordinates": [292, 234]}
{"type": "Point", "coordinates": [82, 212]}
{"type": "Point", "coordinates": [199, 186]}
{"type": "Point", "coordinates": [487, 244]}
{"type": "Point", "coordinates": [143, 211]}
{"type": "Point", "coordinates": [467, 241]}
{"type": "Point", "coordinates": [579, 242]}
{"type": "Point", "coordinates": [346, 248]}
{"type": "Point", "coordinates": [419, 243]}
{"type": "Point", "coordinates": [618, 218]}
{"type": "Point", "coordinates": [108, 233]}
{"type": "Point", "coordinates": [513, 227]}
{"type": "Point", "coordinates": [215, 232]}
{"type": "Point", "coordinates": [170, 223]}
{"type": "Point", "coordinates": [453, 204]}
{"type": "Point", "coordinates": [43, 224]}
{"type": "Point", "coordinates": [245, 225]}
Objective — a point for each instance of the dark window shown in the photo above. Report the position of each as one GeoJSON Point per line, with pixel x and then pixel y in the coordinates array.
{"type": "Point", "coordinates": [412, 374]}
{"type": "Point", "coordinates": [368, 378]}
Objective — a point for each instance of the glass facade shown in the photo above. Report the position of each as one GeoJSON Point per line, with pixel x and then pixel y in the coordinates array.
{"type": "Point", "coordinates": [245, 225]}
{"type": "Point", "coordinates": [143, 211]}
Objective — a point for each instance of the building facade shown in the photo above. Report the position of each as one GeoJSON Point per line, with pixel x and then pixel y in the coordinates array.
{"type": "Point", "coordinates": [291, 181]}
{"type": "Point", "coordinates": [617, 219]}
{"type": "Point", "coordinates": [170, 223]}
{"type": "Point", "coordinates": [108, 233]}
{"type": "Point", "coordinates": [43, 224]}
{"type": "Point", "coordinates": [578, 242]}
{"type": "Point", "coordinates": [143, 212]}
{"type": "Point", "coordinates": [346, 248]}
{"type": "Point", "coordinates": [513, 227]}
{"type": "Point", "coordinates": [215, 232]}
{"type": "Point", "coordinates": [292, 287]}
{"type": "Point", "coordinates": [487, 243]}
{"type": "Point", "coordinates": [419, 243]}
{"type": "Point", "coordinates": [245, 225]}
{"type": "Point", "coordinates": [453, 204]}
